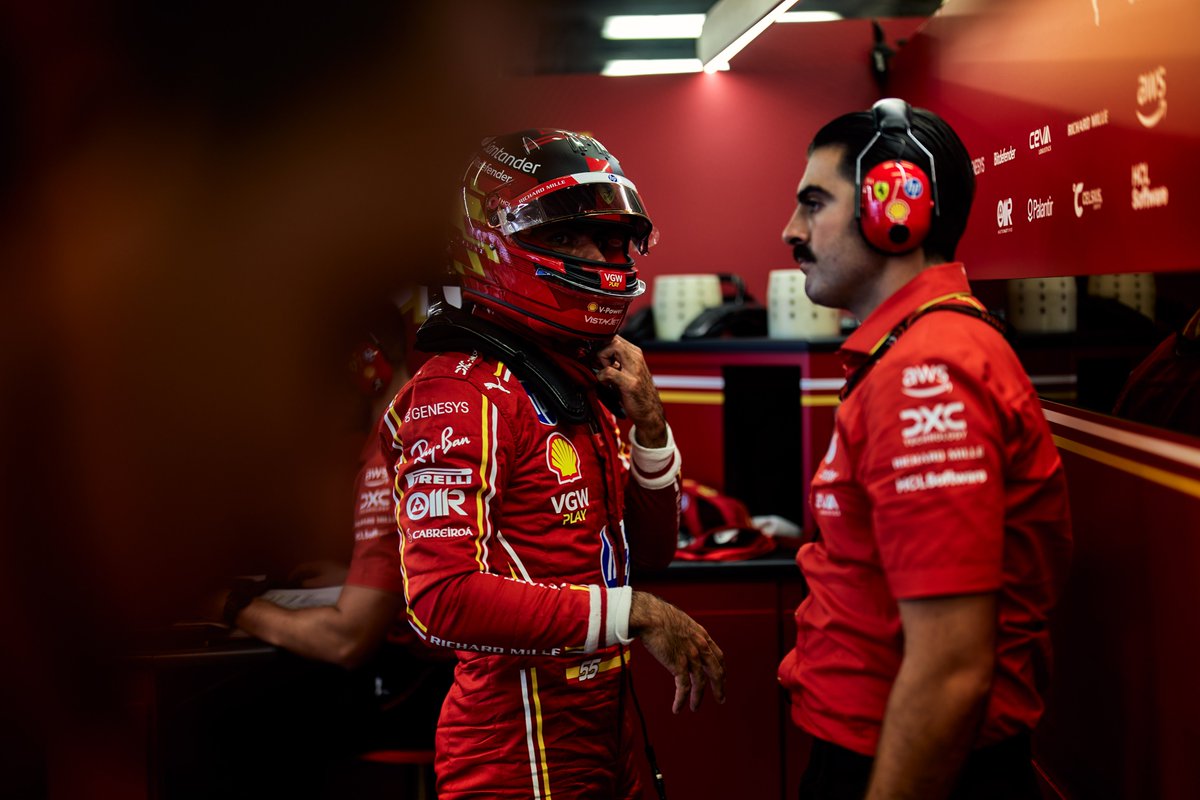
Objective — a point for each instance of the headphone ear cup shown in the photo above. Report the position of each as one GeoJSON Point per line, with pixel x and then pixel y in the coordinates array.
{"type": "Point", "coordinates": [896, 206]}
{"type": "Point", "coordinates": [370, 369]}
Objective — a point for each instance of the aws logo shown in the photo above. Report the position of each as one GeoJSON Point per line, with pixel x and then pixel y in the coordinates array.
{"type": "Point", "coordinates": [562, 458]}
{"type": "Point", "coordinates": [1152, 97]}
{"type": "Point", "coordinates": [925, 380]}
{"type": "Point", "coordinates": [376, 476]}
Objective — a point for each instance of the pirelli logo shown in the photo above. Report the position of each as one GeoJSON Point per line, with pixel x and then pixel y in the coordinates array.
{"type": "Point", "coordinates": [435, 476]}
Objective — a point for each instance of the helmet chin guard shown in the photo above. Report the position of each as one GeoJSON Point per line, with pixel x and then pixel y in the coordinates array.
{"type": "Point", "coordinates": [521, 181]}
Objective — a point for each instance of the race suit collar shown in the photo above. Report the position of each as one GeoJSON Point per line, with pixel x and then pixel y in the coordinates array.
{"type": "Point", "coordinates": [564, 384]}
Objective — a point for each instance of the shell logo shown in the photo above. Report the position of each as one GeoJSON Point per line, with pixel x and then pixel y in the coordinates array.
{"type": "Point", "coordinates": [897, 210]}
{"type": "Point", "coordinates": [562, 458]}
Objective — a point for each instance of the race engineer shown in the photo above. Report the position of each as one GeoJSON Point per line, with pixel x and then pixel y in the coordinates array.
{"type": "Point", "coordinates": [522, 514]}
{"type": "Point", "coordinates": [922, 649]}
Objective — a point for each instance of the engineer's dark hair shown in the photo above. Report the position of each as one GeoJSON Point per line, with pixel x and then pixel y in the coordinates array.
{"type": "Point", "coordinates": [955, 176]}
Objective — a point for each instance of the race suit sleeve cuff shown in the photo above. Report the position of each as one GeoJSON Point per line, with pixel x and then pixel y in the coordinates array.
{"type": "Point", "coordinates": [654, 467]}
{"type": "Point", "coordinates": [619, 601]}
{"type": "Point", "coordinates": [608, 622]}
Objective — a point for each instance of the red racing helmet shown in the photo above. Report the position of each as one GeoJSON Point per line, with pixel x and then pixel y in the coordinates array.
{"type": "Point", "coordinates": [520, 181]}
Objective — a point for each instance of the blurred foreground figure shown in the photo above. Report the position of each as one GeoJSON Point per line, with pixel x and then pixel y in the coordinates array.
{"type": "Point", "coordinates": [521, 511]}
{"type": "Point", "coordinates": [197, 201]}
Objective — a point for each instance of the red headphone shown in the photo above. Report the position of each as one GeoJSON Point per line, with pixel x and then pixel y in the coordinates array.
{"type": "Point", "coordinates": [897, 200]}
{"type": "Point", "coordinates": [371, 370]}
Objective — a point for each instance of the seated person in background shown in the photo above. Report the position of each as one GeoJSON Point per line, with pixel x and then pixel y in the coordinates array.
{"type": "Point", "coordinates": [1164, 390]}
{"type": "Point", "coordinates": [370, 609]}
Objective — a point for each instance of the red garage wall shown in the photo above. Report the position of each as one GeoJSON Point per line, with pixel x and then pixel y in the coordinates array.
{"type": "Point", "coordinates": [716, 157]}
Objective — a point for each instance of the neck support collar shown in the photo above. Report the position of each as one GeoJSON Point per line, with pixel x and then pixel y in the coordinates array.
{"type": "Point", "coordinates": [449, 329]}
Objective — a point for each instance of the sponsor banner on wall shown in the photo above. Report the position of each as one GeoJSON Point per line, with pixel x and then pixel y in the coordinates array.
{"type": "Point", "coordinates": [1082, 121]}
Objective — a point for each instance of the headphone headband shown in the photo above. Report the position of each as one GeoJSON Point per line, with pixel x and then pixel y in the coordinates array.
{"type": "Point", "coordinates": [894, 115]}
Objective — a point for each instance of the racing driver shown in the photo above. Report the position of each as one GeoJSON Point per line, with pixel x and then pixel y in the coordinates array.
{"type": "Point", "coordinates": [521, 512]}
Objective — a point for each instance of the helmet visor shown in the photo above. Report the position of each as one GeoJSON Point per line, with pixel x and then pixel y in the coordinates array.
{"type": "Point", "coordinates": [587, 194]}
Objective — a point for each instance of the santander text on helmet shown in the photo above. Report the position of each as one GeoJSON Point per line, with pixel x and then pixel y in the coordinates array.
{"type": "Point", "coordinates": [508, 159]}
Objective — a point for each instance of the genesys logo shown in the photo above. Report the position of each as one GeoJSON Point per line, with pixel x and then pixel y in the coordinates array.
{"type": "Point", "coordinates": [1004, 220]}
{"type": "Point", "coordinates": [437, 410]}
{"type": "Point", "coordinates": [925, 380]}
{"type": "Point", "coordinates": [1037, 208]}
{"type": "Point", "coordinates": [978, 165]}
{"type": "Point", "coordinates": [1039, 140]}
{"type": "Point", "coordinates": [1086, 198]}
{"type": "Point", "coordinates": [1152, 96]}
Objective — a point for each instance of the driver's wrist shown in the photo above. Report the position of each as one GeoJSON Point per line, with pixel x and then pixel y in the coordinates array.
{"type": "Point", "coordinates": [652, 434]}
{"type": "Point", "coordinates": [642, 609]}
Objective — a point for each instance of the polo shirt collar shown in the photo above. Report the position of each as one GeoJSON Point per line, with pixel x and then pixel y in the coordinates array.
{"type": "Point", "coordinates": [930, 283]}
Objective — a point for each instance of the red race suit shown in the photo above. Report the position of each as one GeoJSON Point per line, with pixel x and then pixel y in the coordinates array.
{"type": "Point", "coordinates": [941, 478]}
{"type": "Point", "coordinates": [517, 531]}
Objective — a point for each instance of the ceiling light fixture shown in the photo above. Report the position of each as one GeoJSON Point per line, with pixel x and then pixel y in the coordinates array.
{"type": "Point", "coordinates": [733, 24]}
{"type": "Point", "coordinates": [653, 26]}
{"type": "Point", "coordinates": [810, 16]}
{"type": "Point", "coordinates": [620, 67]}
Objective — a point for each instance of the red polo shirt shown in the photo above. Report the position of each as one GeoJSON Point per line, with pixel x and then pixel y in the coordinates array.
{"type": "Point", "coordinates": [375, 562]}
{"type": "Point", "coordinates": [941, 478]}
